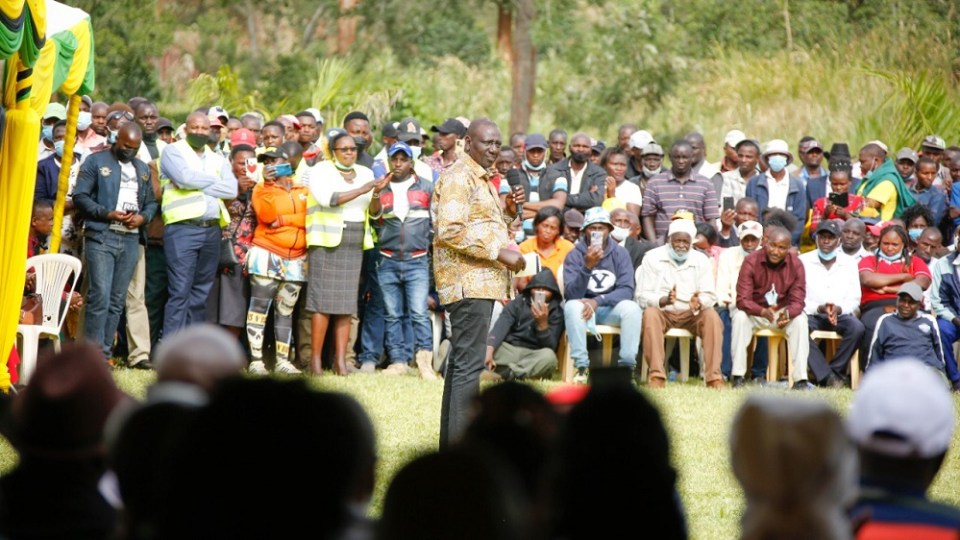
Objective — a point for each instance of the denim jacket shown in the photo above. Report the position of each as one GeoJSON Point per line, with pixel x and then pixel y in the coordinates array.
{"type": "Point", "coordinates": [98, 186]}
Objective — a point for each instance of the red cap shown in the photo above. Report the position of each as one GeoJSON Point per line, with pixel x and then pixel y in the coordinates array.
{"type": "Point", "coordinates": [243, 137]}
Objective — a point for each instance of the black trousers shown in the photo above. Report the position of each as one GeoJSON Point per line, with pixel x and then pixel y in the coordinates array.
{"type": "Point", "coordinates": [850, 328]}
{"type": "Point", "coordinates": [470, 324]}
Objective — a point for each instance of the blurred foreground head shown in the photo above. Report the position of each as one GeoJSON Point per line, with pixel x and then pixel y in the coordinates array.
{"type": "Point", "coordinates": [196, 359]}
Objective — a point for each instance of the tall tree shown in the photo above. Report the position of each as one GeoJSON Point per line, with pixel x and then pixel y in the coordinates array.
{"type": "Point", "coordinates": [505, 31]}
{"type": "Point", "coordinates": [524, 73]}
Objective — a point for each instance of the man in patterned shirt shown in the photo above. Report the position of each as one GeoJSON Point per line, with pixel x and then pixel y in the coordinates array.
{"type": "Point", "coordinates": [471, 263]}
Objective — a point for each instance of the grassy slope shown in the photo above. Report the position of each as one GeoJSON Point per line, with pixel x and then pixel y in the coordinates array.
{"type": "Point", "coordinates": [406, 413]}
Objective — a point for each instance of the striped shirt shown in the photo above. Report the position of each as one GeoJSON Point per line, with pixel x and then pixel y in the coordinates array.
{"type": "Point", "coordinates": [665, 195]}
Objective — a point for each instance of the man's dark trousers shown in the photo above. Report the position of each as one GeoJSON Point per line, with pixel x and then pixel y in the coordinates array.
{"type": "Point", "coordinates": [851, 330]}
{"type": "Point", "coordinates": [470, 324]}
{"type": "Point", "coordinates": [193, 255]}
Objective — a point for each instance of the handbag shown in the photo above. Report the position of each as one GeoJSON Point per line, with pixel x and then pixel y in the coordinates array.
{"type": "Point", "coordinates": [31, 309]}
{"type": "Point", "coordinates": [228, 253]}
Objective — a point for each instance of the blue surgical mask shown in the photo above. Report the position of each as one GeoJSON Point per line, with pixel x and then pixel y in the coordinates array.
{"type": "Point", "coordinates": [889, 258]}
{"type": "Point", "coordinates": [47, 133]}
{"type": "Point", "coordinates": [677, 258]}
{"type": "Point", "coordinates": [58, 148]}
{"type": "Point", "coordinates": [650, 172]}
{"type": "Point", "coordinates": [112, 136]}
{"type": "Point", "coordinates": [519, 236]}
{"type": "Point", "coordinates": [777, 162]}
{"type": "Point", "coordinates": [416, 151]}
{"type": "Point", "coordinates": [84, 120]}
{"type": "Point", "coordinates": [915, 234]}
{"type": "Point", "coordinates": [828, 256]}
{"type": "Point", "coordinates": [528, 167]}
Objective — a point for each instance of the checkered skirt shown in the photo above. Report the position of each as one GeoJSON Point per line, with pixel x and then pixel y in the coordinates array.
{"type": "Point", "coordinates": [334, 274]}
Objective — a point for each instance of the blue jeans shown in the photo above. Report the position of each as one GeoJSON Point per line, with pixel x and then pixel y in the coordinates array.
{"type": "Point", "coordinates": [406, 283]}
{"type": "Point", "coordinates": [626, 314]}
{"type": "Point", "coordinates": [949, 334]}
{"type": "Point", "coordinates": [193, 255]}
{"type": "Point", "coordinates": [111, 259]}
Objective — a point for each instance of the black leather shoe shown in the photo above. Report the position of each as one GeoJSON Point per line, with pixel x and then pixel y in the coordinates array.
{"type": "Point", "coordinates": [834, 381]}
{"type": "Point", "coordinates": [738, 381]}
{"type": "Point", "coordinates": [143, 364]}
{"type": "Point", "coordinates": [803, 385]}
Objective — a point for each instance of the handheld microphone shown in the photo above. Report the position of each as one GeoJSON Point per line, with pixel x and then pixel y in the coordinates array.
{"type": "Point", "coordinates": [515, 182]}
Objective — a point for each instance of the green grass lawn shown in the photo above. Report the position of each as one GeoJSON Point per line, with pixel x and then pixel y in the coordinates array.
{"type": "Point", "coordinates": [406, 413]}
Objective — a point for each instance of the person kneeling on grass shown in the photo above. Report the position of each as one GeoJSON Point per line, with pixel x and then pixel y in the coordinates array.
{"type": "Point", "coordinates": [523, 342]}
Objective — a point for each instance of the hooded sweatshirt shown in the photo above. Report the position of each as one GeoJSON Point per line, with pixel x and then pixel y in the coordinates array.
{"type": "Point", "coordinates": [516, 324]}
{"type": "Point", "coordinates": [609, 283]}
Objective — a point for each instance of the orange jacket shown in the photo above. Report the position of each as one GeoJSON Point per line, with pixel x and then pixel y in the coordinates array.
{"type": "Point", "coordinates": [288, 211]}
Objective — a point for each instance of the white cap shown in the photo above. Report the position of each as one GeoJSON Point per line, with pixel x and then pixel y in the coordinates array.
{"type": "Point", "coordinates": [734, 137]}
{"type": "Point", "coordinates": [639, 139]}
{"type": "Point", "coordinates": [750, 228]}
{"type": "Point", "coordinates": [903, 409]}
{"type": "Point", "coordinates": [316, 114]}
{"type": "Point", "coordinates": [684, 226]}
{"type": "Point", "coordinates": [878, 143]}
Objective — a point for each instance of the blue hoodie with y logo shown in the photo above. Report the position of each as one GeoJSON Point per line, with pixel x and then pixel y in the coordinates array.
{"type": "Point", "coordinates": [609, 283]}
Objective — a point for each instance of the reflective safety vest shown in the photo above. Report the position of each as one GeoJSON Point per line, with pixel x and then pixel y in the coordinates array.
{"type": "Point", "coordinates": [180, 204]}
{"type": "Point", "coordinates": [325, 226]}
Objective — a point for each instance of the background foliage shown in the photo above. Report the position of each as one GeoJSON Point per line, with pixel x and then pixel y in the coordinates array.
{"type": "Point", "coordinates": [850, 70]}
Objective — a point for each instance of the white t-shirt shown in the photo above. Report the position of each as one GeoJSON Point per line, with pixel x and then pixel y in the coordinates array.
{"type": "Point", "coordinates": [127, 197]}
{"type": "Point", "coordinates": [628, 192]}
{"type": "Point", "coordinates": [778, 192]}
{"type": "Point", "coordinates": [401, 204]}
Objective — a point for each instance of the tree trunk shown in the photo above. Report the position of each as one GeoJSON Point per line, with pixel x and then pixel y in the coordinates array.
{"type": "Point", "coordinates": [505, 33]}
{"type": "Point", "coordinates": [311, 27]}
{"type": "Point", "coordinates": [524, 73]}
{"type": "Point", "coordinates": [252, 16]}
{"type": "Point", "coordinates": [786, 23]}
{"type": "Point", "coordinates": [346, 26]}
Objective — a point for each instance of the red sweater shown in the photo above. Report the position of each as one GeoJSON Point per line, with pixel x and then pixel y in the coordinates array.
{"type": "Point", "coordinates": [758, 276]}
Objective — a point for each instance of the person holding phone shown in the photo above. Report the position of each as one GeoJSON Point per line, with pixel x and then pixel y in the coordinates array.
{"type": "Point", "coordinates": [839, 203]}
{"type": "Point", "coordinates": [277, 262]}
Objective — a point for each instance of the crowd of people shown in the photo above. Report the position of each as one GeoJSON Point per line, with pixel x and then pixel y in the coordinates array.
{"type": "Point", "coordinates": [288, 232]}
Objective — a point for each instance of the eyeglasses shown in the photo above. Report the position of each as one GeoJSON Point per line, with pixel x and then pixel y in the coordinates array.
{"type": "Point", "coordinates": [346, 150]}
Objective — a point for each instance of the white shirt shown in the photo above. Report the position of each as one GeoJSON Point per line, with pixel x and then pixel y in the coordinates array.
{"type": "Point", "coordinates": [127, 197]}
{"type": "Point", "coordinates": [708, 169]}
{"type": "Point", "coordinates": [575, 178]}
{"type": "Point", "coordinates": [840, 285]}
{"type": "Point", "coordinates": [629, 192]}
{"type": "Point", "coordinates": [778, 191]}
{"type": "Point", "coordinates": [728, 271]}
{"type": "Point", "coordinates": [659, 273]}
{"type": "Point", "coordinates": [323, 180]}
{"type": "Point", "coordinates": [401, 204]}
{"type": "Point", "coordinates": [859, 254]}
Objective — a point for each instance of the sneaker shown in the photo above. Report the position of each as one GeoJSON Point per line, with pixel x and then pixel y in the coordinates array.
{"type": "Point", "coordinates": [738, 381]}
{"type": "Point", "coordinates": [368, 367]}
{"type": "Point", "coordinates": [286, 368]}
{"type": "Point", "coordinates": [257, 368]}
{"type": "Point", "coordinates": [396, 368]}
{"type": "Point", "coordinates": [582, 377]}
{"type": "Point", "coordinates": [803, 385]}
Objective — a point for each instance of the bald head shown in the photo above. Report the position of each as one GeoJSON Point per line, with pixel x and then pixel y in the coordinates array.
{"type": "Point", "coordinates": [874, 150]}
{"type": "Point", "coordinates": [580, 137]}
{"type": "Point", "coordinates": [201, 355]}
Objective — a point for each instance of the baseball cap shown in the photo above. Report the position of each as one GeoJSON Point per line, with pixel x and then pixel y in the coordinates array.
{"type": "Point", "coordinates": [573, 218]}
{"type": "Point", "coordinates": [733, 138]}
{"type": "Point", "coordinates": [215, 120]}
{"type": "Point", "coordinates": [316, 114]}
{"type": "Point", "coordinates": [390, 129]}
{"type": "Point", "coordinates": [408, 130]}
{"type": "Point", "coordinates": [750, 228]}
{"type": "Point", "coordinates": [292, 119]}
{"type": "Point", "coordinates": [640, 139]}
{"type": "Point", "coordinates": [807, 146]}
{"type": "Point", "coordinates": [912, 290]}
{"type": "Point", "coordinates": [935, 142]}
{"type": "Point", "coordinates": [598, 147]}
{"type": "Point", "coordinates": [829, 226]}
{"type": "Point", "coordinates": [535, 140]}
{"type": "Point", "coordinates": [450, 125]}
{"type": "Point", "coordinates": [907, 153]}
{"type": "Point", "coordinates": [902, 409]}
{"type": "Point", "coordinates": [242, 137]}
{"type": "Point", "coordinates": [218, 112]}
{"type": "Point", "coordinates": [272, 153]}
{"type": "Point", "coordinates": [682, 213]}
{"type": "Point", "coordinates": [164, 123]}
{"type": "Point", "coordinates": [652, 149]}
{"type": "Point", "coordinates": [55, 110]}
{"type": "Point", "coordinates": [400, 147]}
{"type": "Point", "coordinates": [597, 215]}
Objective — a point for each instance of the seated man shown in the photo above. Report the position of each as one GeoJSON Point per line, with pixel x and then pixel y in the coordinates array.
{"type": "Point", "coordinates": [833, 293]}
{"type": "Point", "coordinates": [523, 342]}
{"type": "Point", "coordinates": [598, 286]}
{"type": "Point", "coordinates": [945, 303]}
{"type": "Point", "coordinates": [907, 332]}
{"type": "Point", "coordinates": [676, 290]}
{"type": "Point", "coordinates": [902, 421]}
{"type": "Point", "coordinates": [748, 235]}
{"type": "Point", "coordinates": [771, 289]}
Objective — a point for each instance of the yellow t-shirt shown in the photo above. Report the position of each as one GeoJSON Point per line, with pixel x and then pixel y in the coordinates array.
{"type": "Point", "coordinates": [555, 260]}
{"type": "Point", "coordinates": [886, 194]}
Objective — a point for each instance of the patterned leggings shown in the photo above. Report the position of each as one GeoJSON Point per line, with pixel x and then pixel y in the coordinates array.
{"type": "Point", "coordinates": [263, 292]}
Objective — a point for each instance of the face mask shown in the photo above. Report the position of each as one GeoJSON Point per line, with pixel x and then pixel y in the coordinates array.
{"type": "Point", "coordinates": [777, 163]}
{"type": "Point", "coordinates": [915, 234]}
{"type": "Point", "coordinates": [47, 133]}
{"type": "Point", "coordinates": [125, 155]}
{"type": "Point", "coordinates": [84, 120]}
{"type": "Point", "coordinates": [889, 258]}
{"type": "Point", "coordinates": [416, 151]}
{"type": "Point", "coordinates": [58, 148]}
{"type": "Point", "coordinates": [361, 144]}
{"type": "Point", "coordinates": [213, 138]}
{"type": "Point", "coordinates": [341, 166]}
{"type": "Point", "coordinates": [197, 140]}
{"type": "Point", "coordinates": [528, 167]}
{"type": "Point", "coordinates": [828, 256]}
{"type": "Point", "coordinates": [620, 233]}
{"type": "Point", "coordinates": [677, 258]}
{"type": "Point", "coordinates": [580, 157]}
{"type": "Point", "coordinates": [519, 236]}
{"type": "Point", "coordinates": [745, 252]}
{"type": "Point", "coordinates": [650, 172]}
{"type": "Point", "coordinates": [150, 137]}
{"type": "Point", "coordinates": [112, 137]}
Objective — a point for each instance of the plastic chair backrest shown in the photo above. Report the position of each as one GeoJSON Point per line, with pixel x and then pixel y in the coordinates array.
{"type": "Point", "coordinates": [53, 272]}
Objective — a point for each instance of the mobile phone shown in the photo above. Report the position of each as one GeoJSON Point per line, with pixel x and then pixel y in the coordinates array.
{"type": "Point", "coordinates": [130, 208]}
{"type": "Point", "coordinates": [596, 238]}
{"type": "Point", "coordinates": [839, 199]}
{"type": "Point", "coordinates": [540, 297]}
{"type": "Point", "coordinates": [727, 203]}
{"type": "Point", "coordinates": [251, 165]}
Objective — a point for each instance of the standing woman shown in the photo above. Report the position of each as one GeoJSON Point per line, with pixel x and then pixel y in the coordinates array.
{"type": "Point", "coordinates": [337, 233]}
{"type": "Point", "coordinates": [277, 261]}
{"type": "Point", "coordinates": [881, 276]}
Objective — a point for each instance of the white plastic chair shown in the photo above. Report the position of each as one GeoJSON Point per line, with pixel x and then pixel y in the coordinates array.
{"type": "Point", "coordinates": [53, 271]}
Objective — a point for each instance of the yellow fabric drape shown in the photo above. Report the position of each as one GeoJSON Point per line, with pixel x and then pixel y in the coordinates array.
{"type": "Point", "coordinates": [63, 183]}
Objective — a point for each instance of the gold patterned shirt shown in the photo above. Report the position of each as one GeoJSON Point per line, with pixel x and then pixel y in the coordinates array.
{"type": "Point", "coordinates": [471, 229]}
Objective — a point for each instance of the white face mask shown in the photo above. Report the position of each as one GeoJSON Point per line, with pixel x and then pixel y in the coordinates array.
{"type": "Point", "coordinates": [416, 151]}
{"type": "Point", "coordinates": [620, 233]}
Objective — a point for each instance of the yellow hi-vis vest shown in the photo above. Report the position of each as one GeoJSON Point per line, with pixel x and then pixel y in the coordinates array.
{"type": "Point", "coordinates": [325, 226]}
{"type": "Point", "coordinates": [183, 204]}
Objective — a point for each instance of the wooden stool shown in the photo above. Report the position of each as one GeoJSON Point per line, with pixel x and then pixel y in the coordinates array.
{"type": "Point", "coordinates": [566, 361]}
{"type": "Point", "coordinates": [683, 338]}
{"type": "Point", "coordinates": [774, 338]}
{"type": "Point", "coordinates": [833, 338]}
